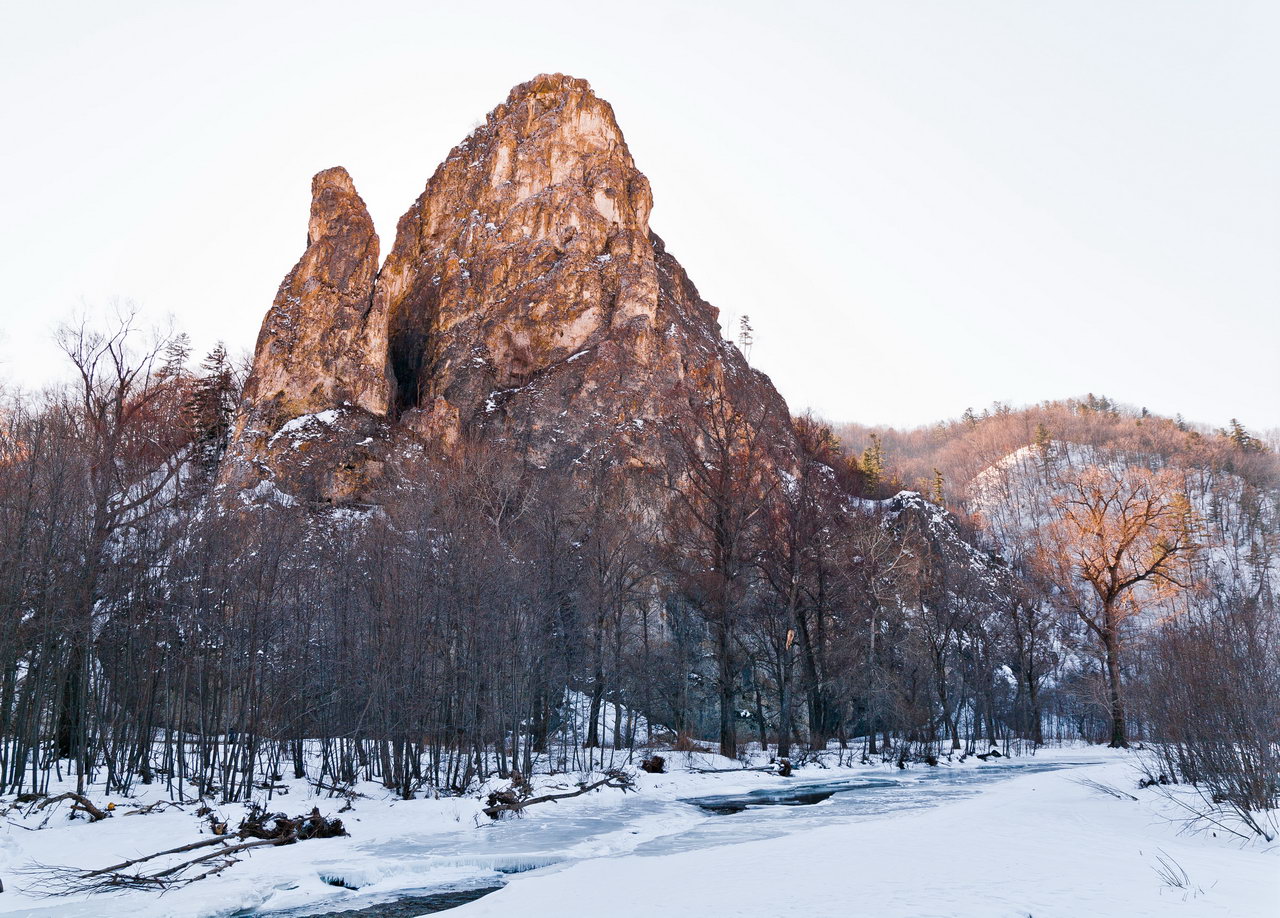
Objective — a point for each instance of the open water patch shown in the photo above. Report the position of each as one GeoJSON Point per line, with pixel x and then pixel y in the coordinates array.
{"type": "Point", "coordinates": [408, 906]}
{"type": "Point", "coordinates": [799, 795]}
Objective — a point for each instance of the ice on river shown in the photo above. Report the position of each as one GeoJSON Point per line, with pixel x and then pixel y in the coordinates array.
{"type": "Point", "coordinates": [773, 845]}
{"type": "Point", "coordinates": [667, 822]}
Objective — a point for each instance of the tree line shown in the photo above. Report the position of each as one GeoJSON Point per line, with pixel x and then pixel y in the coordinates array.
{"type": "Point", "coordinates": [481, 616]}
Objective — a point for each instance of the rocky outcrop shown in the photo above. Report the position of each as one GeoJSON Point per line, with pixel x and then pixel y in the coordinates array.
{"type": "Point", "coordinates": [314, 351]}
{"type": "Point", "coordinates": [525, 300]}
{"type": "Point", "coordinates": [529, 245]}
{"type": "Point", "coordinates": [314, 358]}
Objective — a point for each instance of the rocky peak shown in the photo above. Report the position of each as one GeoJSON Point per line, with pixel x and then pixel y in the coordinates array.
{"type": "Point", "coordinates": [530, 240]}
{"type": "Point", "coordinates": [335, 206]}
{"type": "Point", "coordinates": [525, 299]}
{"type": "Point", "coordinates": [313, 353]}
{"type": "Point", "coordinates": [309, 355]}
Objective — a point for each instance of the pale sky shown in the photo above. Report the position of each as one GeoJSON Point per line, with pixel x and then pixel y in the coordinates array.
{"type": "Point", "coordinates": [921, 206]}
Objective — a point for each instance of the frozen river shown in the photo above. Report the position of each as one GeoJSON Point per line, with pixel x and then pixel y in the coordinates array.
{"type": "Point", "coordinates": [464, 863]}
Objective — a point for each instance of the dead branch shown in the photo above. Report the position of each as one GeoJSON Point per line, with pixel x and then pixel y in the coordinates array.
{"type": "Point", "coordinates": [505, 801]}
{"type": "Point", "coordinates": [159, 876]}
{"type": "Point", "coordinates": [123, 865]}
{"type": "Point", "coordinates": [1107, 789]}
{"type": "Point", "coordinates": [253, 832]}
{"type": "Point", "coordinates": [346, 792]}
{"type": "Point", "coordinates": [152, 807]}
{"type": "Point", "coordinates": [80, 803]}
{"type": "Point", "coordinates": [1193, 822]}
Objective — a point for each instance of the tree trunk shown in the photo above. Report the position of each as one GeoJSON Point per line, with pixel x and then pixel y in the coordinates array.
{"type": "Point", "coordinates": [1037, 725]}
{"type": "Point", "coordinates": [1111, 641]}
{"type": "Point", "coordinates": [784, 718]}
{"type": "Point", "coordinates": [809, 669]}
{"type": "Point", "coordinates": [951, 722]}
{"type": "Point", "coordinates": [728, 716]}
{"type": "Point", "coordinates": [538, 731]}
{"type": "Point", "coordinates": [764, 725]}
{"type": "Point", "coordinates": [593, 717]}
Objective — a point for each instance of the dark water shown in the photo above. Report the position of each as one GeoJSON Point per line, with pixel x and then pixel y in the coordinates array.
{"type": "Point", "coordinates": [412, 906]}
{"type": "Point", "coordinates": [801, 795]}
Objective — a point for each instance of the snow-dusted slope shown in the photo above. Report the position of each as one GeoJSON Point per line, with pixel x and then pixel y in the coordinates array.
{"type": "Point", "coordinates": [1238, 524]}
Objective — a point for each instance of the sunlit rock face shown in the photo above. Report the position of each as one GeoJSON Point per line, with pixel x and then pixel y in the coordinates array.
{"type": "Point", "coordinates": [315, 356]}
{"type": "Point", "coordinates": [314, 351]}
{"type": "Point", "coordinates": [525, 300]}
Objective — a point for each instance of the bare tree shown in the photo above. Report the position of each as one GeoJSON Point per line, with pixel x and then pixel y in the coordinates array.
{"type": "Point", "coordinates": [718, 477]}
{"type": "Point", "coordinates": [1113, 550]}
{"type": "Point", "coordinates": [129, 461]}
{"type": "Point", "coordinates": [616, 563]}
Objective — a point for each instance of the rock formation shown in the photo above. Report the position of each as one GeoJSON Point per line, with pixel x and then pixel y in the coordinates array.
{"type": "Point", "coordinates": [313, 352]}
{"type": "Point", "coordinates": [314, 357]}
{"type": "Point", "coordinates": [525, 300]}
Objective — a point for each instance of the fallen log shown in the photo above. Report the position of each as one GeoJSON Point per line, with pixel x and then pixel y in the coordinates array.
{"type": "Point", "coordinates": [506, 801]}
{"type": "Point", "coordinates": [80, 803]}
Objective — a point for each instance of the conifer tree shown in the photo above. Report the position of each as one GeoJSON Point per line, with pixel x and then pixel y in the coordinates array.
{"type": "Point", "coordinates": [873, 464]}
{"type": "Point", "coordinates": [1044, 444]}
{"type": "Point", "coordinates": [176, 354]}
{"type": "Point", "coordinates": [746, 336]}
{"type": "Point", "coordinates": [1241, 438]}
{"type": "Point", "coordinates": [211, 405]}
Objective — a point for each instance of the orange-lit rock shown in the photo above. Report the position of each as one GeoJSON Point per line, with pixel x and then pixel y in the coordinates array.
{"type": "Point", "coordinates": [525, 300]}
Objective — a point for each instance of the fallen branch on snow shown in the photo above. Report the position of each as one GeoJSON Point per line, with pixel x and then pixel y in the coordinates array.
{"type": "Point", "coordinates": [79, 803]}
{"type": "Point", "coordinates": [1105, 789]}
{"type": "Point", "coordinates": [254, 832]}
{"type": "Point", "coordinates": [772, 768]}
{"type": "Point", "coordinates": [348, 792]}
{"type": "Point", "coordinates": [506, 801]}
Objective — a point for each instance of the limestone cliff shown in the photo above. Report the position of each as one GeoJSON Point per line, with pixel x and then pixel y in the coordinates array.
{"type": "Point", "coordinates": [525, 300]}
{"type": "Point", "coordinates": [314, 357]}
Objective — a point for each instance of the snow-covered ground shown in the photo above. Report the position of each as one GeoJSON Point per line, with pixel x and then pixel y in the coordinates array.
{"type": "Point", "coordinates": [1016, 838]}
{"type": "Point", "coordinates": [1037, 845]}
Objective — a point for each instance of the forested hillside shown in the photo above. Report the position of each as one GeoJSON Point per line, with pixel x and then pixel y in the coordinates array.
{"type": "Point", "coordinates": [1153, 545]}
{"type": "Point", "coordinates": [959, 449]}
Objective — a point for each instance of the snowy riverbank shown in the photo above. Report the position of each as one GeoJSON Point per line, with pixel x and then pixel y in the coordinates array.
{"type": "Point", "coordinates": [1041, 844]}
{"type": "Point", "coordinates": [966, 840]}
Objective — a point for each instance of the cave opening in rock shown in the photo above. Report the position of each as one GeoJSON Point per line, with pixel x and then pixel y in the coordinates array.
{"type": "Point", "coordinates": [410, 338]}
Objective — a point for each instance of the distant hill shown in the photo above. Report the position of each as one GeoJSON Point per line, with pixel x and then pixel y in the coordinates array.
{"type": "Point", "coordinates": [960, 449]}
